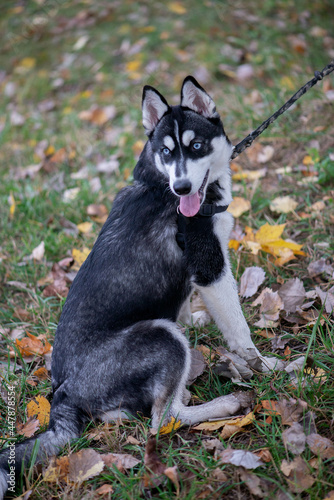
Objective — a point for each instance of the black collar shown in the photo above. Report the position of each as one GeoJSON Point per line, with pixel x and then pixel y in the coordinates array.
{"type": "Point", "coordinates": [206, 210]}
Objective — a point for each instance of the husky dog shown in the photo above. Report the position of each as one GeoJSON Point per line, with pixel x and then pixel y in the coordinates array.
{"type": "Point", "coordinates": [118, 349]}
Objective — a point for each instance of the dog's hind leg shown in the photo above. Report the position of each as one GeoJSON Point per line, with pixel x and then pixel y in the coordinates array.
{"type": "Point", "coordinates": [170, 386]}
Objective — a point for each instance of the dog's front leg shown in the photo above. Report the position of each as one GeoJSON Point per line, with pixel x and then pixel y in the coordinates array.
{"type": "Point", "coordinates": [222, 301]}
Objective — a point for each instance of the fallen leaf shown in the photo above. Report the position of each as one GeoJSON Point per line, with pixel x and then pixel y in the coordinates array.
{"type": "Point", "coordinates": [290, 410]}
{"type": "Point", "coordinates": [99, 213]}
{"type": "Point", "coordinates": [12, 205]}
{"type": "Point", "coordinates": [241, 458]}
{"type": "Point", "coordinates": [256, 485]}
{"type": "Point", "coordinates": [330, 496]}
{"type": "Point", "coordinates": [236, 423]}
{"type": "Point", "coordinates": [37, 253]}
{"type": "Point", "coordinates": [172, 425]}
{"type": "Point", "coordinates": [105, 489]}
{"type": "Point", "coordinates": [250, 281]}
{"type": "Point", "coordinates": [321, 446]}
{"type": "Point", "coordinates": [85, 227]}
{"type": "Point", "coordinates": [327, 299]}
{"type": "Point", "coordinates": [239, 206]}
{"type": "Point", "coordinates": [84, 464]}
{"type": "Point", "coordinates": [268, 233]}
{"type": "Point", "coordinates": [249, 175]}
{"type": "Point", "coordinates": [32, 345]}
{"type": "Point", "coordinates": [197, 366]}
{"type": "Point", "coordinates": [177, 8]}
{"type": "Point", "coordinates": [132, 440]}
{"type": "Point", "coordinates": [79, 256]}
{"type": "Point", "coordinates": [294, 439]}
{"type": "Point", "coordinates": [292, 293]}
{"type": "Point", "coordinates": [29, 428]}
{"type": "Point", "coordinates": [318, 267]}
{"type": "Point", "coordinates": [264, 454]}
{"type": "Point", "coordinates": [57, 470]}
{"type": "Point", "coordinates": [40, 408]}
{"type": "Point", "coordinates": [70, 194]}
{"type": "Point", "coordinates": [98, 116]}
{"type": "Point", "coordinates": [122, 461]}
{"type": "Point", "coordinates": [298, 474]}
{"type": "Point", "coordinates": [283, 205]}
{"type": "Point", "coordinates": [172, 474]}
{"type": "Point", "coordinates": [154, 467]}
{"type": "Point", "coordinates": [271, 305]}
{"type": "Point", "coordinates": [41, 373]}
{"type": "Point", "coordinates": [265, 154]}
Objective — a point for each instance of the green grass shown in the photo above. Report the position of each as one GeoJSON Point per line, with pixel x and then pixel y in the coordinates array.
{"type": "Point", "coordinates": [167, 47]}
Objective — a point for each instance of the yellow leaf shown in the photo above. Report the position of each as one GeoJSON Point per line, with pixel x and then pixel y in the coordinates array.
{"type": "Point", "coordinates": [79, 256]}
{"type": "Point", "coordinates": [177, 8]}
{"type": "Point", "coordinates": [268, 233]}
{"type": "Point", "coordinates": [148, 29]}
{"type": "Point", "coordinates": [236, 422]}
{"type": "Point", "coordinates": [283, 204]}
{"type": "Point", "coordinates": [287, 83]}
{"type": "Point", "coordinates": [133, 65]}
{"type": "Point", "coordinates": [27, 62]}
{"type": "Point", "coordinates": [254, 246]}
{"type": "Point", "coordinates": [239, 206]}
{"type": "Point", "coordinates": [234, 244]}
{"type": "Point", "coordinates": [172, 425]}
{"type": "Point", "coordinates": [12, 205]}
{"type": "Point", "coordinates": [40, 408]}
{"type": "Point", "coordinates": [307, 160]}
{"type": "Point", "coordinates": [85, 227]}
{"type": "Point", "coordinates": [50, 150]}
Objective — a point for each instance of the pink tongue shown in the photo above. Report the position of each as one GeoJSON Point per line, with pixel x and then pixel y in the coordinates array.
{"type": "Point", "coordinates": [190, 205]}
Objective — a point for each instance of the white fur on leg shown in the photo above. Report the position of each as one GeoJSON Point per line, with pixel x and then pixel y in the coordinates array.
{"type": "Point", "coordinates": [222, 301]}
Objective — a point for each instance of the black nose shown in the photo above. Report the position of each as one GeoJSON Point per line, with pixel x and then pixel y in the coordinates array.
{"type": "Point", "coordinates": [182, 187]}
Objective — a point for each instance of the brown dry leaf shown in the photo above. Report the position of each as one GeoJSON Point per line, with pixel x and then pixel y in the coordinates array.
{"type": "Point", "coordinates": [241, 458]}
{"type": "Point", "coordinates": [99, 213]}
{"type": "Point", "coordinates": [264, 455]}
{"type": "Point", "coordinates": [327, 299]}
{"type": "Point", "coordinates": [239, 206]}
{"type": "Point", "coordinates": [154, 467]}
{"type": "Point", "coordinates": [292, 293]}
{"type": "Point", "coordinates": [250, 281]}
{"type": "Point", "coordinates": [298, 474]}
{"type": "Point", "coordinates": [265, 154]}
{"type": "Point", "coordinates": [84, 464]}
{"type": "Point", "coordinates": [40, 408]}
{"type": "Point", "coordinates": [290, 410]}
{"type": "Point", "coordinates": [197, 366]}
{"type": "Point", "coordinates": [59, 156]}
{"type": "Point", "coordinates": [122, 461]}
{"type": "Point", "coordinates": [105, 489]}
{"type": "Point", "coordinates": [232, 366]}
{"type": "Point", "coordinates": [29, 428]}
{"type": "Point", "coordinates": [319, 267]}
{"type": "Point", "coordinates": [57, 470]}
{"type": "Point", "coordinates": [98, 116]}
{"type": "Point", "coordinates": [271, 406]}
{"type": "Point", "coordinates": [172, 474]}
{"type": "Point", "coordinates": [41, 373]}
{"type": "Point", "coordinates": [33, 346]}
{"type": "Point", "coordinates": [132, 440]}
{"type": "Point", "coordinates": [256, 485]}
{"type": "Point", "coordinates": [330, 496]}
{"type": "Point", "coordinates": [249, 175]}
{"type": "Point", "coordinates": [37, 254]}
{"type": "Point", "coordinates": [320, 446]}
{"type": "Point", "coordinates": [294, 439]}
{"type": "Point", "coordinates": [283, 204]}
{"type": "Point", "coordinates": [271, 305]}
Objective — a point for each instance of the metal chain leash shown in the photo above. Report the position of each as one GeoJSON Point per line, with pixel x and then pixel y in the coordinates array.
{"type": "Point", "coordinates": [245, 143]}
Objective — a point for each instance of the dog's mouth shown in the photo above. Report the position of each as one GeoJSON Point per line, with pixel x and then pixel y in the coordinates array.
{"type": "Point", "coordinates": [190, 204]}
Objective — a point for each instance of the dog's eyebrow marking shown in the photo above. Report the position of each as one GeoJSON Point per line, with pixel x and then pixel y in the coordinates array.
{"type": "Point", "coordinates": [187, 137]}
{"type": "Point", "coordinates": [169, 143]}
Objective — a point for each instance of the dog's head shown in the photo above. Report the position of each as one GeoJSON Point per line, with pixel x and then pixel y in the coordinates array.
{"type": "Point", "coordinates": [188, 142]}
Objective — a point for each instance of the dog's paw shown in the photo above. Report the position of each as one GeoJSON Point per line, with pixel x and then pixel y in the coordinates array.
{"type": "Point", "coordinates": [200, 318]}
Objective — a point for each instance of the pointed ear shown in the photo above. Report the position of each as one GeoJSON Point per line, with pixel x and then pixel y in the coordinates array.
{"type": "Point", "coordinates": [154, 106]}
{"type": "Point", "coordinates": [194, 97]}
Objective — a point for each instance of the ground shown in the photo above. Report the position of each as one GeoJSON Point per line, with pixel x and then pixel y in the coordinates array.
{"type": "Point", "coordinates": [71, 80]}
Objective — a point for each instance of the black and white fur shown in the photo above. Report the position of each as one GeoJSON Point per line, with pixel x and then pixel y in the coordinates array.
{"type": "Point", "coordinates": [118, 348]}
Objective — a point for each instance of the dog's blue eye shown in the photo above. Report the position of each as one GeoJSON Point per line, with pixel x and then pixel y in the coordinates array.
{"type": "Point", "coordinates": [197, 145]}
{"type": "Point", "coordinates": [166, 151]}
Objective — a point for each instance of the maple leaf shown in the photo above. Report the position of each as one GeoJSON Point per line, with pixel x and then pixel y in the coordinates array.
{"type": "Point", "coordinates": [40, 408]}
{"type": "Point", "coordinates": [33, 346]}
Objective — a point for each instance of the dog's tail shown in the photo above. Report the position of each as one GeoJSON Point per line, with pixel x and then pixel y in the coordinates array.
{"type": "Point", "coordinates": [66, 423]}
